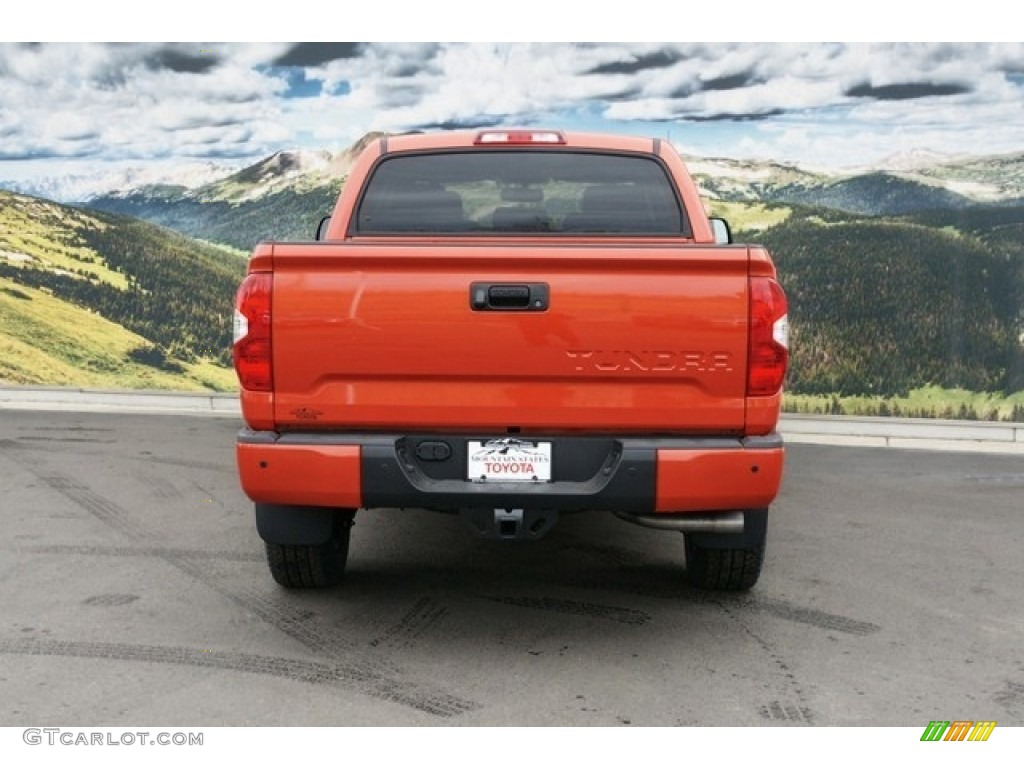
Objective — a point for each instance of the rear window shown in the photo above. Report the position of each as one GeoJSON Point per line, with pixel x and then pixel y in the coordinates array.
{"type": "Point", "coordinates": [520, 192]}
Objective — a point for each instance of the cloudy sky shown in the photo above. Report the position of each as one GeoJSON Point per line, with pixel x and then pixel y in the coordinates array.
{"type": "Point", "coordinates": [72, 107]}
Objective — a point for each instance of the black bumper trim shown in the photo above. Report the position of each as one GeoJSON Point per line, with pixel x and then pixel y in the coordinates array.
{"type": "Point", "coordinates": [625, 479]}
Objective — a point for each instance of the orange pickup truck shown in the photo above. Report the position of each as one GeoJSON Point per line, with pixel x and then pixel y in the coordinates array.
{"type": "Point", "coordinates": [512, 325]}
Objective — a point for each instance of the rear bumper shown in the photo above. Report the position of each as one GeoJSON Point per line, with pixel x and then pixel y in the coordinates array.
{"type": "Point", "coordinates": [640, 475]}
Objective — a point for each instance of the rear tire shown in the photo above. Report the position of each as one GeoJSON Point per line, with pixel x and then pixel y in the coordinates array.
{"type": "Point", "coordinates": [728, 563]}
{"type": "Point", "coordinates": [305, 566]}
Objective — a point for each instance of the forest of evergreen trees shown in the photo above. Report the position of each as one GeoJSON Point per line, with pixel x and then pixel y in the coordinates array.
{"type": "Point", "coordinates": [880, 306]}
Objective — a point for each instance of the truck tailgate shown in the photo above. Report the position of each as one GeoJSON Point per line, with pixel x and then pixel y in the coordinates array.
{"type": "Point", "coordinates": [637, 338]}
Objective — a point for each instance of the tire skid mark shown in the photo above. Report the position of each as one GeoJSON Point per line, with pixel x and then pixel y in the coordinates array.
{"type": "Point", "coordinates": [186, 463]}
{"type": "Point", "coordinates": [802, 705]}
{"type": "Point", "coordinates": [63, 428]}
{"type": "Point", "coordinates": [100, 507]}
{"type": "Point", "coordinates": [373, 674]}
{"type": "Point", "coordinates": [315, 672]}
{"type": "Point", "coordinates": [285, 618]}
{"type": "Point", "coordinates": [786, 713]}
{"type": "Point", "coordinates": [161, 487]}
{"type": "Point", "coordinates": [140, 551]}
{"type": "Point", "coordinates": [575, 608]}
{"type": "Point", "coordinates": [815, 618]}
{"type": "Point", "coordinates": [424, 613]}
{"type": "Point", "coordinates": [780, 609]}
{"type": "Point", "coordinates": [110, 599]}
{"type": "Point", "coordinates": [43, 439]}
{"type": "Point", "coordinates": [1012, 696]}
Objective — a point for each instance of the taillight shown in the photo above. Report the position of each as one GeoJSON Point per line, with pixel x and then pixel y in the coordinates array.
{"type": "Point", "coordinates": [251, 347]}
{"type": "Point", "coordinates": [769, 337]}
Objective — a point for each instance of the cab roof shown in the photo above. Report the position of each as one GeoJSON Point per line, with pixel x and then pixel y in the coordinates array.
{"type": "Point", "coordinates": [472, 139]}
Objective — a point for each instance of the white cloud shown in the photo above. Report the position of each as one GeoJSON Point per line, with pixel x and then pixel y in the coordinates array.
{"type": "Point", "coordinates": [852, 101]}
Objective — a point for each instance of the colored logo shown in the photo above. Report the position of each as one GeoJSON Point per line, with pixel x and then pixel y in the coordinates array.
{"type": "Point", "coordinates": [958, 730]}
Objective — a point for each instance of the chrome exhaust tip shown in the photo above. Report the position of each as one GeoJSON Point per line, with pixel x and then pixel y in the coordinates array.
{"type": "Point", "coordinates": [726, 522]}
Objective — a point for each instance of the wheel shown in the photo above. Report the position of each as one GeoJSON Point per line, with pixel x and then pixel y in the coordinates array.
{"type": "Point", "coordinates": [301, 566]}
{"type": "Point", "coordinates": [728, 562]}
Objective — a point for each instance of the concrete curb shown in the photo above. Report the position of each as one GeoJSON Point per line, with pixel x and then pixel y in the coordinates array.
{"type": "Point", "coordinates": [118, 401]}
{"type": "Point", "coordinates": [920, 434]}
{"type": "Point", "coordinates": [867, 432]}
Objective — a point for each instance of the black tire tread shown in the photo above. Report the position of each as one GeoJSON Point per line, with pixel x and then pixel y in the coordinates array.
{"type": "Point", "coordinates": [733, 570]}
{"type": "Point", "coordinates": [305, 566]}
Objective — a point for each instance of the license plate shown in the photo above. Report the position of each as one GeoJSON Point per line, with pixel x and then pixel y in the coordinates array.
{"type": "Point", "coordinates": [509, 459]}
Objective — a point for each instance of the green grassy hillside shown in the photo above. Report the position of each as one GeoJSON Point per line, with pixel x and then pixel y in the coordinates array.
{"type": "Point", "coordinates": [94, 299]}
{"type": "Point", "coordinates": [47, 341]}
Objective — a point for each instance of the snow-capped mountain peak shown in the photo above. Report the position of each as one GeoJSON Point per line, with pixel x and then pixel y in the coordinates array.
{"type": "Point", "coordinates": [119, 180]}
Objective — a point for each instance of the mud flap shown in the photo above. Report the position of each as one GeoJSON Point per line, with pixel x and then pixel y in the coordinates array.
{"type": "Point", "coordinates": [288, 525]}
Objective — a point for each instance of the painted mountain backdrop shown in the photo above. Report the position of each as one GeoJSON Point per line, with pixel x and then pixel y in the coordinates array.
{"type": "Point", "coordinates": [284, 196]}
{"type": "Point", "coordinates": [901, 276]}
{"type": "Point", "coordinates": [89, 298]}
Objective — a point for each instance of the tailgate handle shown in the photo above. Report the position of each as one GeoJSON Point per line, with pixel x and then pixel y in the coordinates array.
{"type": "Point", "coordinates": [509, 297]}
